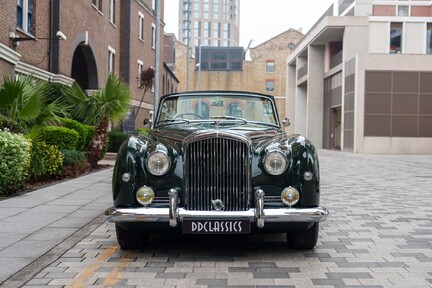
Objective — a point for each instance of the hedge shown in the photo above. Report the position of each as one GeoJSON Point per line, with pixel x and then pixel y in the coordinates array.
{"type": "Point", "coordinates": [85, 132]}
{"type": "Point", "coordinates": [62, 137]}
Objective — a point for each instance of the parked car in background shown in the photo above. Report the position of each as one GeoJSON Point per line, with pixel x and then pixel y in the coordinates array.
{"type": "Point", "coordinates": [217, 162]}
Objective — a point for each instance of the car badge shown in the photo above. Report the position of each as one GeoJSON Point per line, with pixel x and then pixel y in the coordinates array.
{"type": "Point", "coordinates": [218, 205]}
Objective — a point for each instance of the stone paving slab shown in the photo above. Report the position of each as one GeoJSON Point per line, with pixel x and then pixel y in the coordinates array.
{"type": "Point", "coordinates": [34, 223]}
{"type": "Point", "coordinates": [378, 235]}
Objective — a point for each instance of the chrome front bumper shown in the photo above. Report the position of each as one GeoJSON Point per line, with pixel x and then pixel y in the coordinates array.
{"type": "Point", "coordinates": [173, 215]}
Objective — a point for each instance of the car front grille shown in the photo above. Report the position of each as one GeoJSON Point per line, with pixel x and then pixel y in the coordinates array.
{"type": "Point", "coordinates": [217, 168]}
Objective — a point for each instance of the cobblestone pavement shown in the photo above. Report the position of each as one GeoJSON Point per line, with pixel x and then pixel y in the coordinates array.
{"type": "Point", "coordinates": [379, 234]}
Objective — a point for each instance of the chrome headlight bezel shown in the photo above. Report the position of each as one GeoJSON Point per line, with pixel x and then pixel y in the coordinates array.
{"type": "Point", "coordinates": [275, 162]}
{"type": "Point", "coordinates": [158, 163]}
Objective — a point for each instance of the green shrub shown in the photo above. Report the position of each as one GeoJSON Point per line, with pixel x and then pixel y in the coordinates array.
{"type": "Point", "coordinates": [46, 161]}
{"type": "Point", "coordinates": [142, 131]}
{"type": "Point", "coordinates": [85, 132]}
{"type": "Point", "coordinates": [116, 138]}
{"type": "Point", "coordinates": [74, 163]}
{"type": "Point", "coordinates": [14, 161]}
{"type": "Point", "coordinates": [73, 157]}
{"type": "Point", "coordinates": [11, 125]}
{"type": "Point", "coordinates": [62, 137]}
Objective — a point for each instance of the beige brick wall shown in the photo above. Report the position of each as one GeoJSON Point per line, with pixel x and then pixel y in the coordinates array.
{"type": "Point", "coordinates": [254, 75]}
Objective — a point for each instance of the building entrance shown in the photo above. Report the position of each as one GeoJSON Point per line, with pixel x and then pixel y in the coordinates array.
{"type": "Point", "coordinates": [335, 128]}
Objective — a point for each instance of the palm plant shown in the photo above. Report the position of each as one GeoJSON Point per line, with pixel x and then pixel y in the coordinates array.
{"type": "Point", "coordinates": [109, 104]}
{"type": "Point", "coordinates": [25, 100]}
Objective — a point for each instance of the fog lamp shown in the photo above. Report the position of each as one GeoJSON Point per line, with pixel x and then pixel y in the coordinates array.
{"type": "Point", "coordinates": [145, 195]}
{"type": "Point", "coordinates": [290, 196]}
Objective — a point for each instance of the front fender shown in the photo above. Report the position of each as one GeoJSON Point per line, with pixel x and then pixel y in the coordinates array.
{"type": "Point", "coordinates": [128, 161]}
{"type": "Point", "coordinates": [305, 159]}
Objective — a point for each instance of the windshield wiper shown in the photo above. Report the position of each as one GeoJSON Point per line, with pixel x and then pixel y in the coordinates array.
{"type": "Point", "coordinates": [244, 121]}
{"type": "Point", "coordinates": [172, 121]}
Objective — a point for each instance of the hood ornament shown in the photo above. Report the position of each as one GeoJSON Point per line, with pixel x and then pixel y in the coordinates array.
{"type": "Point", "coordinates": [218, 205]}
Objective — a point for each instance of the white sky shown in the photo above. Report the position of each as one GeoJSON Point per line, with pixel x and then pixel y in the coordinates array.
{"type": "Point", "coordinates": [261, 20]}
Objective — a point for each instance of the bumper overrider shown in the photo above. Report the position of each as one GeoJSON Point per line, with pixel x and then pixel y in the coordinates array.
{"type": "Point", "coordinates": [173, 215]}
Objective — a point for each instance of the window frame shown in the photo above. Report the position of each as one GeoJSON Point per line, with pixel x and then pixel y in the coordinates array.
{"type": "Point", "coordinates": [111, 59]}
{"type": "Point", "coordinates": [112, 10]}
{"type": "Point", "coordinates": [270, 68]}
{"type": "Point", "coordinates": [140, 66]}
{"type": "Point", "coordinates": [268, 81]}
{"type": "Point", "coordinates": [397, 49]}
{"type": "Point", "coordinates": [153, 40]}
{"type": "Point", "coordinates": [429, 39]}
{"type": "Point", "coordinates": [140, 26]}
{"type": "Point", "coordinates": [25, 12]}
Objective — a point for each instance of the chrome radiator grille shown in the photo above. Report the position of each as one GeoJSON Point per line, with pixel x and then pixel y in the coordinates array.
{"type": "Point", "coordinates": [217, 168]}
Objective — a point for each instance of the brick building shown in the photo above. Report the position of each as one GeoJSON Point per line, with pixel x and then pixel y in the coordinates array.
{"type": "Point", "coordinates": [360, 80]}
{"type": "Point", "coordinates": [265, 72]}
{"type": "Point", "coordinates": [102, 37]}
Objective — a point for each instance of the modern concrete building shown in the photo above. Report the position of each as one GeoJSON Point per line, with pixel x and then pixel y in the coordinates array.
{"type": "Point", "coordinates": [225, 68]}
{"type": "Point", "coordinates": [84, 41]}
{"type": "Point", "coordinates": [209, 22]}
{"type": "Point", "coordinates": [361, 78]}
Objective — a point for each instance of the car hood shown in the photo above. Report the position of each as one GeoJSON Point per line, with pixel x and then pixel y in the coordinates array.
{"type": "Point", "coordinates": [260, 136]}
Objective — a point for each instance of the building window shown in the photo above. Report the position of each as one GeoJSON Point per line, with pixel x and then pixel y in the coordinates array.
{"type": "Point", "coordinates": [429, 38]}
{"type": "Point", "coordinates": [202, 109]}
{"type": "Point", "coordinates": [395, 38]}
{"type": "Point", "coordinates": [141, 26]}
{"type": "Point", "coordinates": [234, 109]}
{"type": "Point", "coordinates": [24, 15]}
{"type": "Point", "coordinates": [140, 69]}
{"type": "Point", "coordinates": [270, 66]}
{"type": "Point", "coordinates": [97, 4]}
{"type": "Point", "coordinates": [403, 10]}
{"type": "Point", "coordinates": [112, 5]}
{"type": "Point", "coordinates": [153, 41]}
{"type": "Point", "coordinates": [270, 87]}
{"type": "Point", "coordinates": [111, 59]}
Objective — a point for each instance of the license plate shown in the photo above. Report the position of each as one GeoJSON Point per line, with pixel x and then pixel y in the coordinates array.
{"type": "Point", "coordinates": [214, 226]}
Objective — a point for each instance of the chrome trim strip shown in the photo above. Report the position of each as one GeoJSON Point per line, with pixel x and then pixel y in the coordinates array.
{"type": "Point", "coordinates": [317, 214]}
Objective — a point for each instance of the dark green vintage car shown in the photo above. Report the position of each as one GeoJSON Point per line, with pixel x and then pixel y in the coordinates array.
{"type": "Point", "coordinates": [217, 162]}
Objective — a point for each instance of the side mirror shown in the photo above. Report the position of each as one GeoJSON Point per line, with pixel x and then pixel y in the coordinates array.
{"type": "Point", "coordinates": [286, 122]}
{"type": "Point", "coordinates": [147, 122]}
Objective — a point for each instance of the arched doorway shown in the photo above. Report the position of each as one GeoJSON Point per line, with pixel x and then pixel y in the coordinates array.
{"type": "Point", "coordinates": [84, 69]}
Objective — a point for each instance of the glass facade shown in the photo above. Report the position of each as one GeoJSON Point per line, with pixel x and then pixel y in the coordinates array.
{"type": "Point", "coordinates": [222, 16]}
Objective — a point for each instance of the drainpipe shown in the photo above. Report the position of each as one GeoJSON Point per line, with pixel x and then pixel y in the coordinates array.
{"type": "Point", "coordinates": [51, 36]}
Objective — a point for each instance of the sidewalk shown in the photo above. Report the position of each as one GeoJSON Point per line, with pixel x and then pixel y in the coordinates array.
{"type": "Point", "coordinates": [34, 223]}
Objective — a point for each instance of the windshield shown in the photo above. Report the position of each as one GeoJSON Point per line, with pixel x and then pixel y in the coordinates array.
{"type": "Point", "coordinates": [213, 107]}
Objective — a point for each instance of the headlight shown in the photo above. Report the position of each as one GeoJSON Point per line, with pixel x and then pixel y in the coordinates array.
{"type": "Point", "coordinates": [290, 196]}
{"type": "Point", "coordinates": [158, 163]}
{"type": "Point", "coordinates": [145, 195]}
{"type": "Point", "coordinates": [275, 163]}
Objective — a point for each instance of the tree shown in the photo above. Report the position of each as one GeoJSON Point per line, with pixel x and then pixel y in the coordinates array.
{"type": "Point", "coordinates": [109, 104]}
{"type": "Point", "coordinates": [26, 101]}
{"type": "Point", "coordinates": [145, 80]}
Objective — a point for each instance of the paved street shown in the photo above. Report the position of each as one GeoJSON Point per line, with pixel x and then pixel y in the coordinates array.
{"type": "Point", "coordinates": [379, 234]}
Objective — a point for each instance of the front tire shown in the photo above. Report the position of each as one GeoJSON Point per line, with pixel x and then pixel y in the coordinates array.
{"type": "Point", "coordinates": [304, 239]}
{"type": "Point", "coordinates": [130, 239]}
